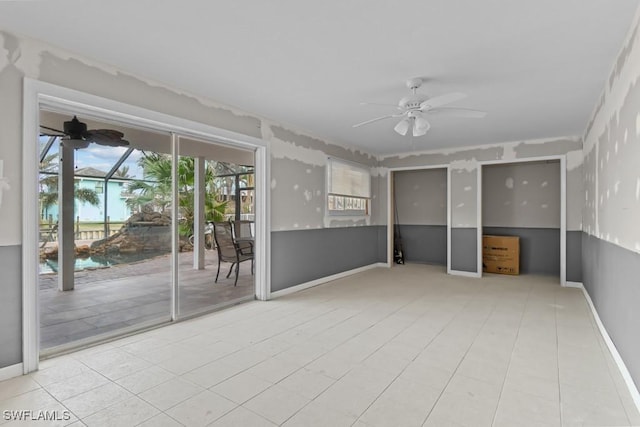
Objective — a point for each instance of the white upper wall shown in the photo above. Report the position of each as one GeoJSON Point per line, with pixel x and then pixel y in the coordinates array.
{"type": "Point", "coordinates": [521, 195]}
{"type": "Point", "coordinates": [421, 196]}
{"type": "Point", "coordinates": [464, 163]}
{"type": "Point", "coordinates": [611, 196]}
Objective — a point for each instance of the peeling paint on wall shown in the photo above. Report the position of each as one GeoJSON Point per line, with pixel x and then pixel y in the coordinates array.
{"type": "Point", "coordinates": [4, 53]}
{"type": "Point", "coordinates": [467, 165]}
{"type": "Point", "coordinates": [4, 182]}
{"type": "Point", "coordinates": [624, 56]}
{"type": "Point", "coordinates": [130, 89]}
{"type": "Point", "coordinates": [297, 159]}
{"type": "Point", "coordinates": [610, 153]}
{"type": "Point", "coordinates": [532, 198]}
{"type": "Point", "coordinates": [293, 204]}
{"type": "Point", "coordinates": [301, 142]}
{"type": "Point", "coordinates": [497, 151]}
{"type": "Point", "coordinates": [574, 159]}
{"type": "Point", "coordinates": [465, 161]}
{"type": "Point", "coordinates": [509, 183]}
{"type": "Point", "coordinates": [11, 53]}
{"type": "Point", "coordinates": [285, 150]}
{"type": "Point", "coordinates": [11, 139]}
{"type": "Point", "coordinates": [421, 196]}
{"type": "Point", "coordinates": [379, 171]}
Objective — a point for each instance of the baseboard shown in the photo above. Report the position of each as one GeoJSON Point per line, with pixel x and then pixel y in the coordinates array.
{"type": "Point", "coordinates": [11, 371]}
{"type": "Point", "coordinates": [633, 390]}
{"type": "Point", "coordinates": [577, 285]}
{"type": "Point", "coordinates": [464, 273]}
{"type": "Point", "coordinates": [311, 284]}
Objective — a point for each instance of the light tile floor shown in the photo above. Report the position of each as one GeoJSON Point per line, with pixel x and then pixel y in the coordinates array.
{"type": "Point", "coordinates": [407, 346]}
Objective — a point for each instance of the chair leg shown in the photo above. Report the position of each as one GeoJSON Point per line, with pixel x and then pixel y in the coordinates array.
{"type": "Point", "coordinates": [218, 272]}
{"type": "Point", "coordinates": [252, 266]}
{"type": "Point", "coordinates": [237, 271]}
{"type": "Point", "coordinates": [230, 269]}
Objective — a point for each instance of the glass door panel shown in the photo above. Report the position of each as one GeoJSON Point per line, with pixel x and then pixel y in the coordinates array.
{"type": "Point", "coordinates": [105, 233]}
{"type": "Point", "coordinates": [203, 200]}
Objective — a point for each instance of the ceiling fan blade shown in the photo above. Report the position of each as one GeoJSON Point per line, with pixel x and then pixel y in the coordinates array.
{"type": "Point", "coordinates": [113, 142]}
{"type": "Point", "coordinates": [442, 100]}
{"type": "Point", "coordinates": [458, 112]}
{"type": "Point", "coordinates": [53, 130]}
{"type": "Point", "coordinates": [108, 137]}
{"type": "Point", "coordinates": [104, 133]}
{"type": "Point", "coordinates": [397, 107]}
{"type": "Point", "coordinates": [376, 119]}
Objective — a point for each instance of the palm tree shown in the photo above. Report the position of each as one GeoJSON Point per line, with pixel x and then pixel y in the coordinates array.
{"type": "Point", "coordinates": [155, 189]}
{"type": "Point", "coordinates": [122, 172]}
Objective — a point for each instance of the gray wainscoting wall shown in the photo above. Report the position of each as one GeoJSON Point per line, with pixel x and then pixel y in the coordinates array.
{"type": "Point", "coordinates": [574, 256]}
{"type": "Point", "coordinates": [464, 249]}
{"type": "Point", "coordinates": [424, 243]}
{"type": "Point", "coordinates": [540, 250]}
{"type": "Point", "coordinates": [382, 243]}
{"type": "Point", "coordinates": [611, 276]}
{"type": "Point", "coordinates": [10, 305]}
{"type": "Point", "coordinates": [300, 256]}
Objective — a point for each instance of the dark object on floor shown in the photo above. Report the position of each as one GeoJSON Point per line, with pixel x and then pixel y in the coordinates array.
{"type": "Point", "coordinates": [398, 252]}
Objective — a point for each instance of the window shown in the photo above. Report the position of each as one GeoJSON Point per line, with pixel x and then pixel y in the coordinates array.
{"type": "Point", "coordinates": [99, 187]}
{"type": "Point", "coordinates": [348, 188]}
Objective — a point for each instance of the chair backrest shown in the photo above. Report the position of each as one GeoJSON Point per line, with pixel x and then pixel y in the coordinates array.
{"type": "Point", "coordinates": [242, 229]}
{"type": "Point", "coordinates": [223, 236]}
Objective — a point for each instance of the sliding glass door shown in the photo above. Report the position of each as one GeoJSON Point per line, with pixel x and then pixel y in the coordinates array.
{"type": "Point", "coordinates": [126, 236]}
{"type": "Point", "coordinates": [203, 200]}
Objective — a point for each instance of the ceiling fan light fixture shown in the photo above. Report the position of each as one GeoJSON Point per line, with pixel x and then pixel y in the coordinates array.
{"type": "Point", "coordinates": [420, 126]}
{"type": "Point", "coordinates": [402, 127]}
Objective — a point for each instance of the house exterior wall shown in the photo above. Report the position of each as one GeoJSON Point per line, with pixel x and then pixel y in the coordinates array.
{"type": "Point", "coordinates": [117, 207]}
{"type": "Point", "coordinates": [611, 204]}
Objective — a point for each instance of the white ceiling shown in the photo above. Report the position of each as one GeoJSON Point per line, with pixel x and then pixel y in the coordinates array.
{"type": "Point", "coordinates": [537, 67]}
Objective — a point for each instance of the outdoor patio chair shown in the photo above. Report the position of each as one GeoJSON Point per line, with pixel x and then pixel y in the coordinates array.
{"type": "Point", "coordinates": [229, 250]}
{"type": "Point", "coordinates": [243, 234]}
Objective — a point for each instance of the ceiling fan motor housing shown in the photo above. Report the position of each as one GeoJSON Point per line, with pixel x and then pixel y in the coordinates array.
{"type": "Point", "coordinates": [413, 102]}
{"type": "Point", "coordinates": [75, 129]}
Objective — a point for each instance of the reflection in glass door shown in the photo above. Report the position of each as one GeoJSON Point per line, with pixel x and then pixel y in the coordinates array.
{"type": "Point", "coordinates": [105, 232]}
{"type": "Point", "coordinates": [204, 186]}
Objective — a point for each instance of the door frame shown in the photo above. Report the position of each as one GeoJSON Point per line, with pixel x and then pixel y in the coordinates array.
{"type": "Point", "coordinates": [563, 206]}
{"type": "Point", "coordinates": [391, 211]}
{"type": "Point", "coordinates": [37, 94]}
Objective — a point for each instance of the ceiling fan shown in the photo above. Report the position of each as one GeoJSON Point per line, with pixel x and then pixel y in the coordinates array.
{"type": "Point", "coordinates": [413, 108]}
{"type": "Point", "coordinates": [76, 135]}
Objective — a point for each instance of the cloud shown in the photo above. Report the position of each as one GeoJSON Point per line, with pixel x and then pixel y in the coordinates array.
{"type": "Point", "coordinates": [104, 158]}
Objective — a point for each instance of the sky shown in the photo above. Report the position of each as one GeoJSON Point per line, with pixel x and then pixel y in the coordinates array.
{"type": "Point", "coordinates": [103, 158]}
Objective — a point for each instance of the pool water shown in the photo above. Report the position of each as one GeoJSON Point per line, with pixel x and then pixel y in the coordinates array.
{"type": "Point", "coordinates": [51, 265]}
{"type": "Point", "coordinates": [48, 266]}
